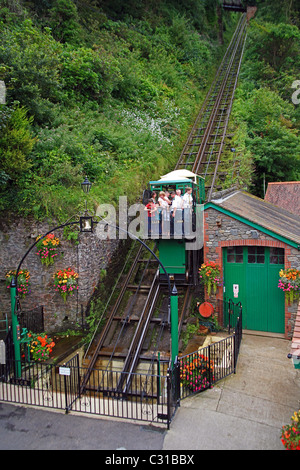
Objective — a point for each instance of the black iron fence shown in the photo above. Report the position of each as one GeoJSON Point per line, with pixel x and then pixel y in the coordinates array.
{"type": "Point", "coordinates": [33, 320]}
{"type": "Point", "coordinates": [149, 397]}
{"type": "Point", "coordinates": [200, 370]}
{"type": "Point", "coordinates": [152, 397]}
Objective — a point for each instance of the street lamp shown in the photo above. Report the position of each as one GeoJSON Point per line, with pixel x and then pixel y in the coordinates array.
{"type": "Point", "coordinates": [86, 221]}
{"type": "Point", "coordinates": [86, 185]}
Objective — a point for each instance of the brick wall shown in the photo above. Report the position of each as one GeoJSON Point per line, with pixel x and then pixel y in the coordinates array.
{"type": "Point", "coordinates": [221, 231]}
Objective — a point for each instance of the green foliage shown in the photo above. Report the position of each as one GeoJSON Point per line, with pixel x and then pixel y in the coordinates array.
{"type": "Point", "coordinates": [16, 142]}
{"type": "Point", "coordinates": [266, 123]}
{"type": "Point", "coordinates": [30, 62]}
{"type": "Point", "coordinates": [64, 21]}
{"type": "Point", "coordinates": [111, 97]}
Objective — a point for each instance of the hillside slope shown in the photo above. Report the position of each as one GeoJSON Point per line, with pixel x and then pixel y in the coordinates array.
{"type": "Point", "coordinates": [98, 88]}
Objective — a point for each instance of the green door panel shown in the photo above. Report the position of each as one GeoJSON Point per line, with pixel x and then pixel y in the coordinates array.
{"type": "Point", "coordinates": [256, 272]}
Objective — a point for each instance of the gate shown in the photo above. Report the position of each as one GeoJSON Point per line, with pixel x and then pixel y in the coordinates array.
{"type": "Point", "coordinates": [149, 397]}
{"type": "Point", "coordinates": [203, 368]}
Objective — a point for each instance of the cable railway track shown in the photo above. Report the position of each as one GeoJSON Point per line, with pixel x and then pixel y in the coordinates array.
{"type": "Point", "coordinates": [202, 151]}
{"type": "Point", "coordinates": [138, 326]}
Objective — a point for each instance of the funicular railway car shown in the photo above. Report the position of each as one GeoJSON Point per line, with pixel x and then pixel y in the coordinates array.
{"type": "Point", "coordinates": [176, 224]}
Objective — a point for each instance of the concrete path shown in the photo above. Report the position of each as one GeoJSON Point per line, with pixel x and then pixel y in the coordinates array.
{"type": "Point", "coordinates": [246, 410]}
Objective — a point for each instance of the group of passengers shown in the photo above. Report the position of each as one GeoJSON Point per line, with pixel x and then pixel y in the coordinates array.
{"type": "Point", "coordinates": [168, 207]}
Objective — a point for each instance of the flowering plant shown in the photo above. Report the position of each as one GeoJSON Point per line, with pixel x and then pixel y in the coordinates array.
{"type": "Point", "coordinates": [290, 435]}
{"type": "Point", "coordinates": [47, 248]}
{"type": "Point", "coordinates": [23, 281]}
{"type": "Point", "coordinates": [289, 282]}
{"type": "Point", "coordinates": [40, 346]}
{"type": "Point", "coordinates": [196, 374]}
{"type": "Point", "coordinates": [210, 273]}
{"type": "Point", "coordinates": [65, 282]}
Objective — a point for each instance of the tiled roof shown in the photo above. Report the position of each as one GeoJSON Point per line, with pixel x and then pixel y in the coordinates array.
{"type": "Point", "coordinates": [263, 213]}
{"type": "Point", "coordinates": [285, 195]}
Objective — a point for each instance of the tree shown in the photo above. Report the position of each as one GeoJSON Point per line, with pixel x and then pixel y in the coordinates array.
{"type": "Point", "coordinates": [16, 142]}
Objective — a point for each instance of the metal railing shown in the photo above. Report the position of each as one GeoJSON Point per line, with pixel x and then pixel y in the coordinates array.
{"type": "Point", "coordinates": [33, 319]}
{"type": "Point", "coordinates": [150, 396]}
{"type": "Point", "coordinates": [202, 369]}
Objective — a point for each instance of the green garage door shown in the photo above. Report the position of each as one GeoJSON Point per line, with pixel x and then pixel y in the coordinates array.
{"type": "Point", "coordinates": [251, 277]}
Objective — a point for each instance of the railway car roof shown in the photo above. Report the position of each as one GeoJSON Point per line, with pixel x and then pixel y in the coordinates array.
{"type": "Point", "coordinates": [172, 181]}
{"type": "Point", "coordinates": [261, 214]}
{"type": "Point", "coordinates": [183, 173]}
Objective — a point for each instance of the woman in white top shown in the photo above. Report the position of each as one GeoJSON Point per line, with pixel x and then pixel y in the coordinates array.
{"type": "Point", "coordinates": [162, 201]}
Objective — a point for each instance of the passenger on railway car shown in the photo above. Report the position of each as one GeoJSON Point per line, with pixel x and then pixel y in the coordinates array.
{"type": "Point", "coordinates": [162, 200]}
{"type": "Point", "coordinates": [188, 198]}
{"type": "Point", "coordinates": [151, 209]}
{"type": "Point", "coordinates": [176, 213]}
{"type": "Point", "coordinates": [177, 203]}
{"type": "Point", "coordinates": [153, 197]}
{"type": "Point", "coordinates": [187, 210]}
{"type": "Point", "coordinates": [167, 197]}
{"type": "Point", "coordinates": [164, 203]}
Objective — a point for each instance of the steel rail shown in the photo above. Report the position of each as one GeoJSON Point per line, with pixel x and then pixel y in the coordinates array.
{"type": "Point", "coordinates": [213, 117]}
{"type": "Point", "coordinates": [208, 123]}
{"type": "Point", "coordinates": [108, 323]}
{"type": "Point", "coordinates": [226, 122]}
{"type": "Point", "coordinates": [201, 120]}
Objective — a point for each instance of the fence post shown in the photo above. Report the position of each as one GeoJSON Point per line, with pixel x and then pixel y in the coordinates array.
{"type": "Point", "coordinates": [78, 375]}
{"type": "Point", "coordinates": [66, 395]}
{"type": "Point", "coordinates": [209, 368]}
{"type": "Point", "coordinates": [168, 400]}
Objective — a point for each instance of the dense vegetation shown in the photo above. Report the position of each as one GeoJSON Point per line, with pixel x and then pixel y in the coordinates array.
{"type": "Point", "coordinates": [106, 89]}
{"type": "Point", "coordinates": [109, 89]}
{"type": "Point", "coordinates": [265, 120]}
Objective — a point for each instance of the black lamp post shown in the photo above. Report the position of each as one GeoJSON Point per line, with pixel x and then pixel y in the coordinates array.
{"type": "Point", "coordinates": [86, 220]}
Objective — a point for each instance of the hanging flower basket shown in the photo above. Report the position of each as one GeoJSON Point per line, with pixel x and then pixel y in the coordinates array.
{"type": "Point", "coordinates": [210, 274]}
{"type": "Point", "coordinates": [65, 282]}
{"type": "Point", "coordinates": [289, 282]}
{"type": "Point", "coordinates": [47, 248]}
{"type": "Point", "coordinates": [23, 281]}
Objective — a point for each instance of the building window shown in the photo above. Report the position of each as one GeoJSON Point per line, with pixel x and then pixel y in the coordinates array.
{"type": "Point", "coordinates": [276, 255]}
{"type": "Point", "coordinates": [256, 255]}
{"type": "Point", "coordinates": [235, 254]}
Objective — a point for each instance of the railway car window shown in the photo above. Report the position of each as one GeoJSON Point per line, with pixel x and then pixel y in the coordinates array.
{"type": "Point", "coordinates": [235, 254]}
{"type": "Point", "coordinates": [276, 255]}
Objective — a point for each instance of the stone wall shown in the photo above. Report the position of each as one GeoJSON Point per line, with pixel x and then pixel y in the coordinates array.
{"type": "Point", "coordinates": [221, 231]}
{"type": "Point", "coordinates": [88, 258]}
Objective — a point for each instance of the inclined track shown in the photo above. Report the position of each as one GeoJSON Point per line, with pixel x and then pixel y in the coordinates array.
{"type": "Point", "coordinates": [202, 151]}
{"type": "Point", "coordinates": [131, 319]}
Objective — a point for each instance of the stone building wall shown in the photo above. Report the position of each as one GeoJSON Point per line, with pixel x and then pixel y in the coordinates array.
{"type": "Point", "coordinates": [221, 231]}
{"type": "Point", "coordinates": [88, 258]}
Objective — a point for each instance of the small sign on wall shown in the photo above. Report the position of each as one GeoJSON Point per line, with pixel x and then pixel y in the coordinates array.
{"type": "Point", "coordinates": [235, 290]}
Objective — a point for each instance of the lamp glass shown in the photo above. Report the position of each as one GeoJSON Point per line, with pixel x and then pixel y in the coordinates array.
{"type": "Point", "coordinates": [86, 224]}
{"type": "Point", "coordinates": [86, 185]}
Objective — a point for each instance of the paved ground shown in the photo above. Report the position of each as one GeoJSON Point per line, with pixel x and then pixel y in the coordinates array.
{"type": "Point", "coordinates": [244, 411]}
